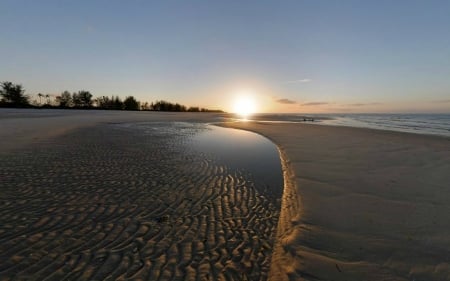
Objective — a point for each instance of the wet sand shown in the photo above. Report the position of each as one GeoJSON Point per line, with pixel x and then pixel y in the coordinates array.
{"type": "Point", "coordinates": [130, 201]}
{"type": "Point", "coordinates": [360, 204]}
{"type": "Point", "coordinates": [21, 127]}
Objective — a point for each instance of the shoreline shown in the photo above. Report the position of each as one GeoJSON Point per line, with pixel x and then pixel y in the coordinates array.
{"type": "Point", "coordinates": [308, 248]}
{"type": "Point", "coordinates": [426, 124]}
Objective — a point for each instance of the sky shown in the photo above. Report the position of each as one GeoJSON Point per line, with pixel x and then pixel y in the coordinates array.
{"type": "Point", "coordinates": [287, 56]}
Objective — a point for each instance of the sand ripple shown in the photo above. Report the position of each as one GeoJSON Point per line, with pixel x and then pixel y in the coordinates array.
{"type": "Point", "coordinates": [130, 202]}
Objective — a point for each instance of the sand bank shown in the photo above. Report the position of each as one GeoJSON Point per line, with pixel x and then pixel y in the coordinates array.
{"type": "Point", "coordinates": [361, 204]}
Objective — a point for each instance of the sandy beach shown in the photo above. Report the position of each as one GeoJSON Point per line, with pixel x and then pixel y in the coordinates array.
{"type": "Point", "coordinates": [97, 196]}
{"type": "Point", "coordinates": [121, 200]}
{"type": "Point", "coordinates": [29, 126]}
{"type": "Point", "coordinates": [361, 204]}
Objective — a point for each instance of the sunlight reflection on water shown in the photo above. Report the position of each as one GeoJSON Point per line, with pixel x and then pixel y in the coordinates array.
{"type": "Point", "coordinates": [246, 151]}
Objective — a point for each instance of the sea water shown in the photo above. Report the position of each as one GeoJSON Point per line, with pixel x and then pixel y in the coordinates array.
{"type": "Point", "coordinates": [429, 124]}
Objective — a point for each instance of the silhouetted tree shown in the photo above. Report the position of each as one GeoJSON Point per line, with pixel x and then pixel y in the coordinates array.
{"type": "Point", "coordinates": [13, 94]}
{"type": "Point", "coordinates": [145, 106]}
{"type": "Point", "coordinates": [82, 99]}
{"type": "Point", "coordinates": [76, 100]}
{"type": "Point", "coordinates": [193, 109]}
{"type": "Point", "coordinates": [65, 100]}
{"type": "Point", "coordinates": [117, 103]}
{"type": "Point", "coordinates": [104, 102]}
{"type": "Point", "coordinates": [178, 107]}
{"type": "Point", "coordinates": [130, 103]}
{"type": "Point", "coordinates": [167, 106]}
{"type": "Point", "coordinates": [86, 98]}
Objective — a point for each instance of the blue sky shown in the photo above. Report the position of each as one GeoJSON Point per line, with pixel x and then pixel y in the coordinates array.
{"type": "Point", "coordinates": [291, 56]}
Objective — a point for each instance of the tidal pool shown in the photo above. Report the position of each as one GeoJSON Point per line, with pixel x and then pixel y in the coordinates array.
{"type": "Point", "coordinates": [245, 151]}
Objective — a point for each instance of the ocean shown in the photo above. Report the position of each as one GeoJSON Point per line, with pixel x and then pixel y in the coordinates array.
{"type": "Point", "coordinates": [428, 124]}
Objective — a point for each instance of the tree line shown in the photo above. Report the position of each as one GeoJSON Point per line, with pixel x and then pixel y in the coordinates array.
{"type": "Point", "coordinates": [13, 95]}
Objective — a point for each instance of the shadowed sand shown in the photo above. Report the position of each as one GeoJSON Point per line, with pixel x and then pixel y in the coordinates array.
{"type": "Point", "coordinates": [360, 204]}
{"type": "Point", "coordinates": [129, 201]}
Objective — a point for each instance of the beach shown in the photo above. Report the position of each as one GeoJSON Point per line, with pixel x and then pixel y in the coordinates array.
{"type": "Point", "coordinates": [360, 204]}
{"type": "Point", "coordinates": [127, 197]}
{"type": "Point", "coordinates": [99, 196]}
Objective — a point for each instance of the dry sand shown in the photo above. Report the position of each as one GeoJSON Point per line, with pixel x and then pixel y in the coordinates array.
{"type": "Point", "coordinates": [360, 204]}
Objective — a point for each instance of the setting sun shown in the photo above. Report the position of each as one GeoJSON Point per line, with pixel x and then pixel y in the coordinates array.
{"type": "Point", "coordinates": [244, 106]}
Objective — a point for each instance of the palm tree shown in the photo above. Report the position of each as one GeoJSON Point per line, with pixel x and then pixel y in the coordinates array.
{"type": "Point", "coordinates": [13, 94]}
{"type": "Point", "coordinates": [47, 96]}
{"type": "Point", "coordinates": [40, 96]}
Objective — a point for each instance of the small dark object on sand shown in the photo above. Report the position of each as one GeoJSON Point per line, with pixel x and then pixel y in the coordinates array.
{"type": "Point", "coordinates": [162, 219]}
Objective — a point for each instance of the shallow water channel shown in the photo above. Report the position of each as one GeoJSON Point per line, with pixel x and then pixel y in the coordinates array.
{"type": "Point", "coordinates": [246, 151]}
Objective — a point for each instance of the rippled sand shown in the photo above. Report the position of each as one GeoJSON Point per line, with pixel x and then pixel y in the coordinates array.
{"type": "Point", "coordinates": [360, 204]}
{"type": "Point", "coordinates": [118, 202]}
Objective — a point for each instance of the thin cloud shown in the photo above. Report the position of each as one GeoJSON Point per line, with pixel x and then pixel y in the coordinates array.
{"type": "Point", "coordinates": [286, 101]}
{"type": "Point", "coordinates": [315, 103]}
{"type": "Point", "coordinates": [306, 80]}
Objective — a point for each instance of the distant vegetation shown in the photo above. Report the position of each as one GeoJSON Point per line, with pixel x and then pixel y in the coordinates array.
{"type": "Point", "coordinates": [13, 95]}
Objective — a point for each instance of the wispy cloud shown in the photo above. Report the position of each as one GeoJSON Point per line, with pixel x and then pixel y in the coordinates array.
{"type": "Point", "coordinates": [286, 101]}
{"type": "Point", "coordinates": [305, 80]}
{"type": "Point", "coordinates": [315, 103]}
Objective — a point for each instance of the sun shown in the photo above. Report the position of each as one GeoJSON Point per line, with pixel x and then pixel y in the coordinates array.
{"type": "Point", "coordinates": [244, 106]}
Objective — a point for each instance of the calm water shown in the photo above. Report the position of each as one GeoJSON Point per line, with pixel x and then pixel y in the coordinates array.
{"type": "Point", "coordinates": [430, 124]}
{"type": "Point", "coordinates": [245, 151]}
{"type": "Point", "coordinates": [242, 151]}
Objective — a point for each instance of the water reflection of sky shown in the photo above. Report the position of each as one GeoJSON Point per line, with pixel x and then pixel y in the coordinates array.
{"type": "Point", "coordinates": [245, 151]}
